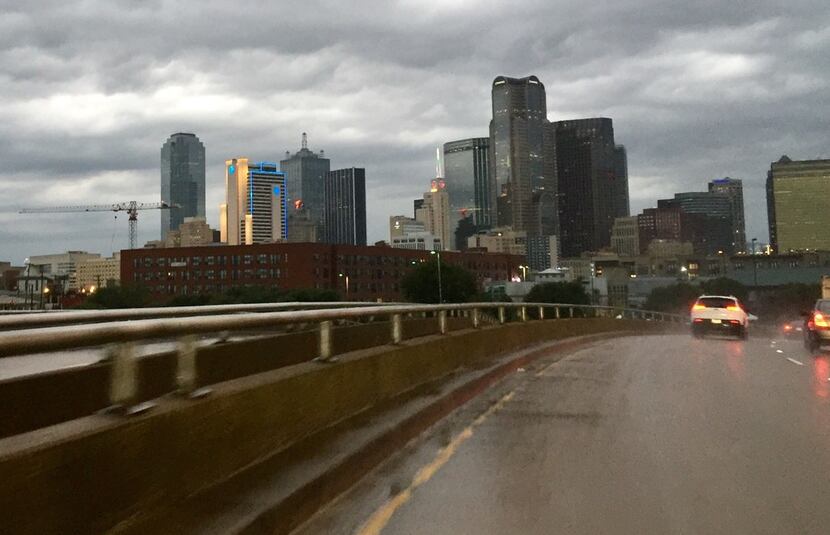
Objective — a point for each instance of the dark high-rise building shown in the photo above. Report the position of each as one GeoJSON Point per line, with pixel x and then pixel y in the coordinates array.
{"type": "Point", "coordinates": [305, 173]}
{"type": "Point", "coordinates": [182, 180]}
{"type": "Point", "coordinates": [517, 151]}
{"type": "Point", "coordinates": [621, 198]}
{"type": "Point", "coordinates": [733, 188]}
{"type": "Point", "coordinates": [798, 197]}
{"type": "Point", "coordinates": [706, 220]}
{"type": "Point", "coordinates": [589, 194]}
{"type": "Point", "coordinates": [344, 214]}
{"type": "Point", "coordinates": [467, 178]}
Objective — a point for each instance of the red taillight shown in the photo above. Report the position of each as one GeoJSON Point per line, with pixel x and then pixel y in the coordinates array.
{"type": "Point", "coordinates": [698, 306]}
{"type": "Point", "coordinates": [733, 308]}
{"type": "Point", "coordinates": [819, 320]}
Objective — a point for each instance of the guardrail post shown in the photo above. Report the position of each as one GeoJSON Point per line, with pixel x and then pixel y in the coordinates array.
{"type": "Point", "coordinates": [476, 320]}
{"type": "Point", "coordinates": [124, 378]}
{"type": "Point", "coordinates": [556, 310]}
{"type": "Point", "coordinates": [397, 330]}
{"type": "Point", "coordinates": [442, 321]}
{"type": "Point", "coordinates": [571, 310]}
{"type": "Point", "coordinates": [501, 314]}
{"type": "Point", "coordinates": [186, 364]}
{"type": "Point", "coordinates": [524, 313]}
{"type": "Point", "coordinates": [541, 313]}
{"type": "Point", "coordinates": [325, 341]}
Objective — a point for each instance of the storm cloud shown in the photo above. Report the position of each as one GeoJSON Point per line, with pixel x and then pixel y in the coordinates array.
{"type": "Point", "coordinates": [89, 91]}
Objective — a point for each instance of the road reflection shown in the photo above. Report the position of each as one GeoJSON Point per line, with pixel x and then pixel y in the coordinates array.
{"type": "Point", "coordinates": [735, 360]}
{"type": "Point", "coordinates": [821, 374]}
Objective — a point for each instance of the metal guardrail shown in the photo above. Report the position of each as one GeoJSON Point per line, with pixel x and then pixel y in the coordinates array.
{"type": "Point", "coordinates": [32, 319]}
{"type": "Point", "coordinates": [28, 341]}
{"type": "Point", "coordinates": [124, 386]}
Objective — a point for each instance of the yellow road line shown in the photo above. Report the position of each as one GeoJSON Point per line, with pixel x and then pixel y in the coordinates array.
{"type": "Point", "coordinates": [383, 515]}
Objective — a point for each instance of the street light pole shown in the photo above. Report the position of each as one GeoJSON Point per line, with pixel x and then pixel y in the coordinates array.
{"type": "Point", "coordinates": [440, 285]}
{"type": "Point", "coordinates": [346, 279]}
{"type": "Point", "coordinates": [754, 263]}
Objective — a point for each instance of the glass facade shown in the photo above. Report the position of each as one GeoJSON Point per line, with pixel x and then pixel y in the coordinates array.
{"type": "Point", "coordinates": [345, 206]}
{"type": "Point", "coordinates": [586, 162]}
{"type": "Point", "coordinates": [466, 174]}
{"type": "Point", "coordinates": [182, 180]}
{"type": "Point", "coordinates": [305, 173]}
{"type": "Point", "coordinates": [517, 133]}
{"type": "Point", "coordinates": [733, 188]}
{"type": "Point", "coordinates": [798, 193]}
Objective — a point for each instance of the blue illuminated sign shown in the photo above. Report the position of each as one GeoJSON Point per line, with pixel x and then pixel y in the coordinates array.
{"type": "Point", "coordinates": [277, 190]}
{"type": "Point", "coordinates": [231, 169]}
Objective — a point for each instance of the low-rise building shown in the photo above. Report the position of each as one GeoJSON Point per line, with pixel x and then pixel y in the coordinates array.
{"type": "Point", "coordinates": [500, 240]}
{"type": "Point", "coordinates": [372, 272]}
{"type": "Point", "coordinates": [99, 272]}
{"type": "Point", "coordinates": [194, 231]}
{"type": "Point", "coordinates": [60, 267]}
{"type": "Point", "coordinates": [421, 241]}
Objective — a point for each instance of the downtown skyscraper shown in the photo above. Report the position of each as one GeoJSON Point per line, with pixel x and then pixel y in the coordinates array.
{"type": "Point", "coordinates": [733, 189]}
{"type": "Point", "coordinates": [344, 207]}
{"type": "Point", "coordinates": [305, 173]}
{"type": "Point", "coordinates": [182, 180]}
{"type": "Point", "coordinates": [467, 179]}
{"type": "Point", "coordinates": [255, 210]}
{"type": "Point", "coordinates": [798, 197]}
{"type": "Point", "coordinates": [518, 155]}
{"type": "Point", "coordinates": [592, 183]}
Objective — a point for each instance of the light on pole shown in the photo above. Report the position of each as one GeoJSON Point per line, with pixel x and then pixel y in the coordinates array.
{"type": "Point", "coordinates": [524, 272]}
{"type": "Point", "coordinates": [346, 279]}
{"type": "Point", "coordinates": [440, 284]}
{"type": "Point", "coordinates": [754, 263]}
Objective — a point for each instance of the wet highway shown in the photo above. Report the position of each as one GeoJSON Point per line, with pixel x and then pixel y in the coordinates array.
{"type": "Point", "coordinates": [637, 435]}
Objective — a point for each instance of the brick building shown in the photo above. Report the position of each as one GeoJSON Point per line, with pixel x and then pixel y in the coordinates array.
{"type": "Point", "coordinates": [373, 272]}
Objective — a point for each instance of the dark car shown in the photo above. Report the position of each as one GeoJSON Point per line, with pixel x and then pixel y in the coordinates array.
{"type": "Point", "coordinates": [793, 328]}
{"type": "Point", "coordinates": [817, 326]}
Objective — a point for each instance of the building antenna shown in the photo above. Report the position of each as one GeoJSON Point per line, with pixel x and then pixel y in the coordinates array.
{"type": "Point", "coordinates": [305, 141]}
{"type": "Point", "coordinates": [438, 163]}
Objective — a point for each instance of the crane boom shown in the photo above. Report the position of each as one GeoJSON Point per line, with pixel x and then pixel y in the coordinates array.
{"type": "Point", "coordinates": [131, 207]}
{"type": "Point", "coordinates": [117, 207]}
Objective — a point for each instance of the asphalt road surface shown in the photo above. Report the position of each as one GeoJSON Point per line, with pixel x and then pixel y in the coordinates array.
{"type": "Point", "coordinates": [637, 435]}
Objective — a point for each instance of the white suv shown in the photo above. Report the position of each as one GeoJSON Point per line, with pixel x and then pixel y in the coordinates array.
{"type": "Point", "coordinates": [719, 314]}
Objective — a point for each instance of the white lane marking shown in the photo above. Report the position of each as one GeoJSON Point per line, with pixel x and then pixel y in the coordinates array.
{"type": "Point", "coordinates": [795, 361]}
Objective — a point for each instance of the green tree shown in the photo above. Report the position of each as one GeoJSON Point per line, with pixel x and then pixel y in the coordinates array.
{"type": "Point", "coordinates": [677, 298]}
{"type": "Point", "coordinates": [310, 295]}
{"type": "Point", "coordinates": [128, 296]}
{"type": "Point", "coordinates": [725, 286]}
{"type": "Point", "coordinates": [421, 284]}
{"type": "Point", "coordinates": [558, 292]}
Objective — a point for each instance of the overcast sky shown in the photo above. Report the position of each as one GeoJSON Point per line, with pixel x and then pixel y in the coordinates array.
{"type": "Point", "coordinates": [90, 90]}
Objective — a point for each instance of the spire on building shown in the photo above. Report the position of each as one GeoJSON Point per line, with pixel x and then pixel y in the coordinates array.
{"type": "Point", "coordinates": [305, 141]}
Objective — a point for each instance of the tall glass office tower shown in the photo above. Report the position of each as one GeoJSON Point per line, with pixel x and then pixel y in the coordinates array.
{"type": "Point", "coordinates": [467, 179]}
{"type": "Point", "coordinates": [345, 206]}
{"type": "Point", "coordinates": [733, 188]}
{"type": "Point", "coordinates": [517, 133]}
{"type": "Point", "coordinates": [305, 173]}
{"type": "Point", "coordinates": [182, 180]}
{"type": "Point", "coordinates": [590, 192]}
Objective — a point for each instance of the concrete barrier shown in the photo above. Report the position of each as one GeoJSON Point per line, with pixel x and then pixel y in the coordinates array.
{"type": "Point", "coordinates": [98, 472]}
{"type": "Point", "coordinates": [36, 401]}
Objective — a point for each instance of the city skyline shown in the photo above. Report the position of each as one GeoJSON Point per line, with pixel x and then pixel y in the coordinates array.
{"type": "Point", "coordinates": [79, 129]}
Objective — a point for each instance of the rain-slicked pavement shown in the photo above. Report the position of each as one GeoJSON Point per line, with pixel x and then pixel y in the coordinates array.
{"type": "Point", "coordinates": [637, 435]}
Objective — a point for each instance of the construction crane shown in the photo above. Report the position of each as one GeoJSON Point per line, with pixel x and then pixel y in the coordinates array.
{"type": "Point", "coordinates": [131, 207]}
